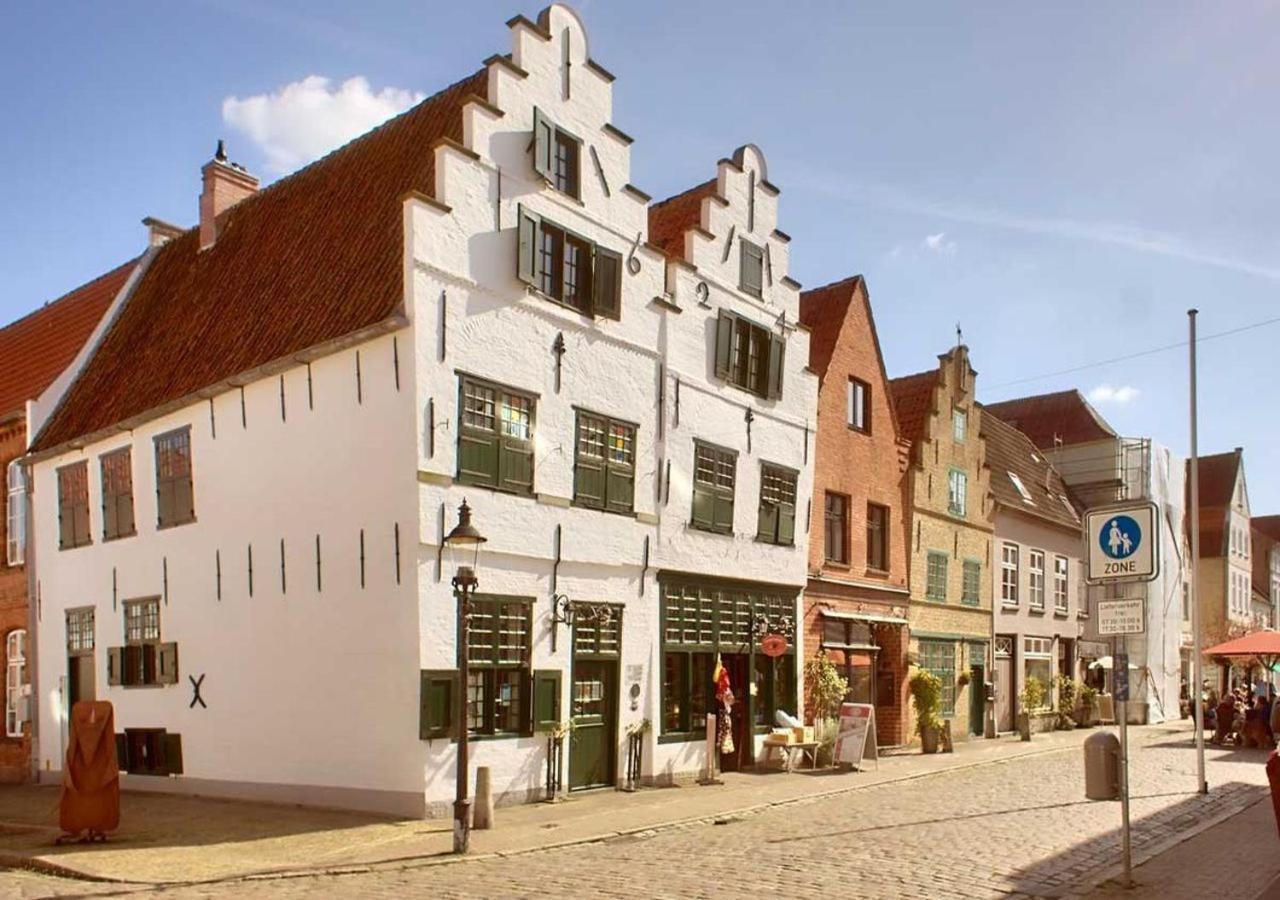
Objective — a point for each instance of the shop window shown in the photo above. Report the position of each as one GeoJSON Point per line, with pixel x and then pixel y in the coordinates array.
{"type": "Point", "coordinates": [175, 497]}
{"type": "Point", "coordinates": [777, 519]}
{"type": "Point", "coordinates": [701, 621]}
{"type": "Point", "coordinates": [714, 477]}
{"type": "Point", "coordinates": [939, 658]}
{"type": "Point", "coordinates": [748, 355]}
{"type": "Point", "coordinates": [775, 689]}
{"type": "Point", "coordinates": [117, 494]}
{"type": "Point", "coordinates": [936, 576]}
{"type": "Point", "coordinates": [604, 474]}
{"type": "Point", "coordinates": [836, 530]}
{"type": "Point", "coordinates": [498, 683]}
{"type": "Point", "coordinates": [73, 506]}
{"type": "Point", "coordinates": [877, 537]}
{"type": "Point", "coordinates": [495, 442]}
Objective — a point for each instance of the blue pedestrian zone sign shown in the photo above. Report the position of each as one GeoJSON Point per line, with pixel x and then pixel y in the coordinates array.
{"type": "Point", "coordinates": [1122, 543]}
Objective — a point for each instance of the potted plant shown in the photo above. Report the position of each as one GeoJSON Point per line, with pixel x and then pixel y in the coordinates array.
{"type": "Point", "coordinates": [1066, 702]}
{"type": "Point", "coordinates": [827, 690]}
{"type": "Point", "coordinates": [926, 693]}
{"type": "Point", "coordinates": [1031, 699]}
{"type": "Point", "coordinates": [1087, 709]}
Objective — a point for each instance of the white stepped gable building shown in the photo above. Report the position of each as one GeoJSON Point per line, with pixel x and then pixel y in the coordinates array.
{"type": "Point", "coordinates": [471, 302]}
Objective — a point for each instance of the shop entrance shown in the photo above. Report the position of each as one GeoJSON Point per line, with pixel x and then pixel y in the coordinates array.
{"type": "Point", "coordinates": [1004, 683]}
{"type": "Point", "coordinates": [593, 743]}
{"type": "Point", "coordinates": [736, 665]}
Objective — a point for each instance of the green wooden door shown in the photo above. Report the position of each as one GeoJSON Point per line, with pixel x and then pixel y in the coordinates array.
{"type": "Point", "coordinates": [977, 698]}
{"type": "Point", "coordinates": [595, 717]}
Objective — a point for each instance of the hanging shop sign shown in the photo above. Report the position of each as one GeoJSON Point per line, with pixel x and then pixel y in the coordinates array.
{"type": "Point", "coordinates": [773, 645]}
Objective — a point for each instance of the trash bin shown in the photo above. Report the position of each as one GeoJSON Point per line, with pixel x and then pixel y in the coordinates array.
{"type": "Point", "coordinates": [1102, 766]}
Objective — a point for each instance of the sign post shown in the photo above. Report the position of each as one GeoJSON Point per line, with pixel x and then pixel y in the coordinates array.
{"type": "Point", "coordinates": [1122, 545]}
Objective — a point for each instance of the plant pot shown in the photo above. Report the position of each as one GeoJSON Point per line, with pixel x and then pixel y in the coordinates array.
{"type": "Point", "coordinates": [929, 740]}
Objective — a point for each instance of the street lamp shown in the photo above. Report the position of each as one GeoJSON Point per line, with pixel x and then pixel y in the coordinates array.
{"type": "Point", "coordinates": [463, 543]}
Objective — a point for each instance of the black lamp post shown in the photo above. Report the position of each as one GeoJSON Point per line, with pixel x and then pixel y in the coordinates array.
{"type": "Point", "coordinates": [463, 544]}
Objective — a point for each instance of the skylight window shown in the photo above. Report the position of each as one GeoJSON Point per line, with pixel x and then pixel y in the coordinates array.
{"type": "Point", "coordinates": [1022, 489]}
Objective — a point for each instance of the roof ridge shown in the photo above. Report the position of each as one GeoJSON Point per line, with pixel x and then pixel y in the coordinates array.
{"type": "Point", "coordinates": [848, 279]}
{"type": "Point", "coordinates": [683, 194]}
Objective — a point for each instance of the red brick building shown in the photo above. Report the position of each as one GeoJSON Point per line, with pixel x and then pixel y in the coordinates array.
{"type": "Point", "coordinates": [855, 607]}
{"type": "Point", "coordinates": [33, 351]}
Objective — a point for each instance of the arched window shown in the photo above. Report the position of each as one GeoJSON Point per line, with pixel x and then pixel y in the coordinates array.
{"type": "Point", "coordinates": [16, 685]}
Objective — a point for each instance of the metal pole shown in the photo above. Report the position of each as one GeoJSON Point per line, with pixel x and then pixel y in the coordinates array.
{"type": "Point", "coordinates": [1197, 665]}
{"type": "Point", "coordinates": [461, 805]}
{"type": "Point", "coordinates": [1118, 660]}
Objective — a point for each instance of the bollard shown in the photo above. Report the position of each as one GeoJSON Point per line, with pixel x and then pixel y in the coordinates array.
{"type": "Point", "coordinates": [482, 811]}
{"type": "Point", "coordinates": [1102, 766]}
{"type": "Point", "coordinates": [1273, 776]}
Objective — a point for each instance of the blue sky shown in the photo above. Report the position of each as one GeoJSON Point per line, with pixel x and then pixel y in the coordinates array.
{"type": "Point", "coordinates": [1065, 180]}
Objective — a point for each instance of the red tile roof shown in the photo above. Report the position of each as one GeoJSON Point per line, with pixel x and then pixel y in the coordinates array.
{"type": "Point", "coordinates": [1268, 525]}
{"type": "Point", "coordinates": [35, 349]}
{"type": "Point", "coordinates": [671, 218]}
{"type": "Point", "coordinates": [913, 399]}
{"type": "Point", "coordinates": [1217, 489]}
{"type": "Point", "coordinates": [1065, 417]}
{"type": "Point", "coordinates": [312, 258]}
{"type": "Point", "coordinates": [823, 311]}
{"type": "Point", "coordinates": [1009, 450]}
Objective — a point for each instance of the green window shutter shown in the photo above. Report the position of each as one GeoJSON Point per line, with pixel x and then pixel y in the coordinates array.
{"type": "Point", "coordinates": [546, 699]}
{"type": "Point", "coordinates": [786, 523]}
{"type": "Point", "coordinates": [589, 481]}
{"type": "Point", "coordinates": [478, 457]}
{"type": "Point", "coordinates": [608, 284]}
{"type": "Point", "coordinates": [722, 513]}
{"type": "Point", "coordinates": [64, 526]}
{"type": "Point", "coordinates": [184, 500]}
{"type": "Point", "coordinates": [515, 465]}
{"type": "Point", "coordinates": [724, 343]}
{"type": "Point", "coordinates": [122, 752]}
{"type": "Point", "coordinates": [168, 658]}
{"type": "Point", "coordinates": [438, 691]}
{"type": "Point", "coordinates": [125, 515]}
{"type": "Point", "coordinates": [751, 265]}
{"type": "Point", "coordinates": [115, 665]}
{"type": "Point", "coordinates": [776, 350]}
{"type": "Point", "coordinates": [767, 527]}
{"type": "Point", "coordinates": [171, 753]}
{"type": "Point", "coordinates": [543, 143]}
{"type": "Point", "coordinates": [703, 507]}
{"type": "Point", "coordinates": [621, 489]}
{"type": "Point", "coordinates": [527, 256]}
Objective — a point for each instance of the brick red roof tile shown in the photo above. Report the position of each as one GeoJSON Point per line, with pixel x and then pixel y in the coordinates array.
{"type": "Point", "coordinates": [314, 257]}
{"type": "Point", "coordinates": [913, 399]}
{"type": "Point", "coordinates": [1009, 450]}
{"type": "Point", "coordinates": [823, 311]}
{"type": "Point", "coordinates": [1064, 417]}
{"type": "Point", "coordinates": [36, 348]}
{"type": "Point", "coordinates": [1268, 525]}
{"type": "Point", "coordinates": [1217, 489]}
{"type": "Point", "coordinates": [671, 218]}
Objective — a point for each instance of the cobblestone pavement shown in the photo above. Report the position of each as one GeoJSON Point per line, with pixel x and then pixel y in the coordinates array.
{"type": "Point", "coordinates": [1015, 828]}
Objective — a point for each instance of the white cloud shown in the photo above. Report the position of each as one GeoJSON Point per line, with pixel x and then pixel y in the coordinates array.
{"type": "Point", "coordinates": [305, 119]}
{"type": "Point", "coordinates": [1105, 393]}
{"type": "Point", "coordinates": [938, 243]}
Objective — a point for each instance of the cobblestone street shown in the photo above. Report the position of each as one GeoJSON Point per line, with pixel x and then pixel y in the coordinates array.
{"type": "Point", "coordinates": [1018, 827]}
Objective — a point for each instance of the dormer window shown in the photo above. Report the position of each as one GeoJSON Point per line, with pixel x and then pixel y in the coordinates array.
{"type": "Point", "coordinates": [1022, 489]}
{"type": "Point", "coordinates": [556, 155]}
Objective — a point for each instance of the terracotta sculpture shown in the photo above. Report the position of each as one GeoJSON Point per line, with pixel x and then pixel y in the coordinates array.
{"type": "Point", "coordinates": [90, 802]}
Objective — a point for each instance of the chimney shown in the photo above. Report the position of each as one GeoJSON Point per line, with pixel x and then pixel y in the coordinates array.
{"type": "Point", "coordinates": [225, 185]}
{"type": "Point", "coordinates": [159, 231]}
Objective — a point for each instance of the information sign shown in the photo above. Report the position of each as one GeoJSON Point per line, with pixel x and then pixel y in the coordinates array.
{"type": "Point", "coordinates": [1127, 615]}
{"type": "Point", "coordinates": [1122, 543]}
{"type": "Point", "coordinates": [856, 739]}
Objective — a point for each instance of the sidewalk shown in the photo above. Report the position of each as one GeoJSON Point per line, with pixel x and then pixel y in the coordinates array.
{"type": "Point", "coordinates": [169, 838]}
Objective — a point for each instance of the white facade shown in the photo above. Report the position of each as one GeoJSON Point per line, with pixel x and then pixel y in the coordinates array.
{"type": "Point", "coordinates": [311, 685]}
